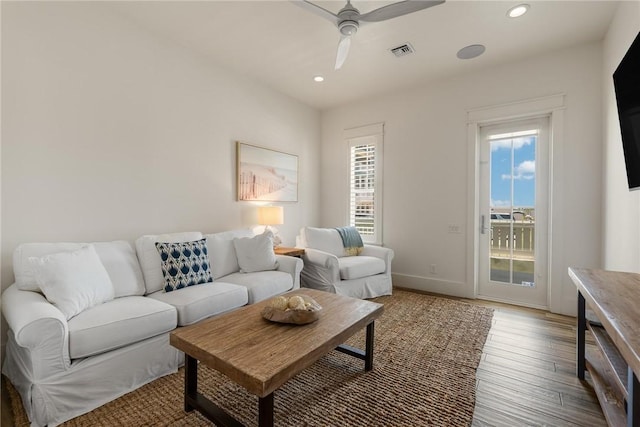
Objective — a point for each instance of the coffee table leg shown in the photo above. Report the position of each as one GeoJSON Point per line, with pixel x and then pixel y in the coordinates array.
{"type": "Point", "coordinates": [194, 400]}
{"type": "Point", "coordinates": [265, 411]}
{"type": "Point", "coordinates": [367, 354]}
{"type": "Point", "coordinates": [190, 381]}
{"type": "Point", "coordinates": [368, 358]}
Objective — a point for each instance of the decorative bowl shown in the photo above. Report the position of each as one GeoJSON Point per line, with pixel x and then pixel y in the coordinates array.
{"type": "Point", "coordinates": [294, 316]}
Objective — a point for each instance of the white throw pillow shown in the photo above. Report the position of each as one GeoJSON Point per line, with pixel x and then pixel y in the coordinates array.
{"type": "Point", "coordinates": [256, 253]}
{"type": "Point", "coordinates": [73, 281]}
{"type": "Point", "coordinates": [222, 253]}
{"type": "Point", "coordinates": [23, 268]}
{"type": "Point", "coordinates": [118, 258]}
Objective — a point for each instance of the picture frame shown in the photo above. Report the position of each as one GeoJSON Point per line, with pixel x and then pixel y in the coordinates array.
{"type": "Point", "coordinates": [265, 175]}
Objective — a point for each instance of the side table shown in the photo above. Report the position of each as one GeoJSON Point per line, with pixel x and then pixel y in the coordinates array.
{"type": "Point", "coordinates": [294, 252]}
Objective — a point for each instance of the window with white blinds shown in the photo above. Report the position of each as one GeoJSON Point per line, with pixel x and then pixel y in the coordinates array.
{"type": "Point", "coordinates": [365, 186]}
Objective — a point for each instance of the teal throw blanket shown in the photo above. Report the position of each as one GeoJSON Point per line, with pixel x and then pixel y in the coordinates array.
{"type": "Point", "coordinates": [351, 240]}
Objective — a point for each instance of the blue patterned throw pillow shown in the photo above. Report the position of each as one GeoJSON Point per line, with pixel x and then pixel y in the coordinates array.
{"type": "Point", "coordinates": [184, 264]}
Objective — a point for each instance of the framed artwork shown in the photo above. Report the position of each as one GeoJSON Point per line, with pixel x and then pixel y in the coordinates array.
{"type": "Point", "coordinates": [266, 175]}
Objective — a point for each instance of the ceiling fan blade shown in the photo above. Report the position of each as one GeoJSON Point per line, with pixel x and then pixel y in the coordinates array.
{"type": "Point", "coordinates": [343, 51]}
{"type": "Point", "coordinates": [317, 10]}
{"type": "Point", "coordinates": [397, 9]}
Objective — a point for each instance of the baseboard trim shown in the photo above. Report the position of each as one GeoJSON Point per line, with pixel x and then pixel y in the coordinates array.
{"type": "Point", "coordinates": [431, 285]}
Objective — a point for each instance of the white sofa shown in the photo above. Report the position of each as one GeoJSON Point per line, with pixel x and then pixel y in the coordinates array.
{"type": "Point", "coordinates": [64, 367]}
{"type": "Point", "coordinates": [328, 268]}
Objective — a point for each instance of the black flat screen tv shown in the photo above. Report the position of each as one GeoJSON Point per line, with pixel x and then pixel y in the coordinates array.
{"type": "Point", "coordinates": [626, 80]}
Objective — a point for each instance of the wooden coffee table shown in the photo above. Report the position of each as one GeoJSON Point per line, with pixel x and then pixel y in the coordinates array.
{"type": "Point", "coordinates": [261, 355]}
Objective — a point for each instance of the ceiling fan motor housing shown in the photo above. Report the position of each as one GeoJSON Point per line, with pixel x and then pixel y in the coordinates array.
{"type": "Point", "coordinates": [348, 20]}
{"type": "Point", "coordinates": [348, 27]}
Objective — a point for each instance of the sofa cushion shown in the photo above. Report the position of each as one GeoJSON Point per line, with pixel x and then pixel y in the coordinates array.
{"type": "Point", "coordinates": [117, 323]}
{"type": "Point", "coordinates": [118, 258]}
{"type": "Point", "coordinates": [73, 281]}
{"type": "Point", "coordinates": [256, 253]}
{"type": "Point", "coordinates": [262, 285]}
{"type": "Point", "coordinates": [199, 302]}
{"type": "Point", "coordinates": [222, 253]}
{"type": "Point", "coordinates": [184, 264]}
{"type": "Point", "coordinates": [324, 239]}
{"type": "Point", "coordinates": [150, 258]}
{"type": "Point", "coordinates": [355, 267]}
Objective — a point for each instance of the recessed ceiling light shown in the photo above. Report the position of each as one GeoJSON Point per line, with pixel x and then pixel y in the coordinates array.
{"type": "Point", "coordinates": [518, 10]}
{"type": "Point", "coordinates": [471, 51]}
{"type": "Point", "coordinates": [318, 79]}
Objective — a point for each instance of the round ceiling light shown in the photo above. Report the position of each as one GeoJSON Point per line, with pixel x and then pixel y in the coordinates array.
{"type": "Point", "coordinates": [471, 51]}
{"type": "Point", "coordinates": [318, 79]}
{"type": "Point", "coordinates": [517, 11]}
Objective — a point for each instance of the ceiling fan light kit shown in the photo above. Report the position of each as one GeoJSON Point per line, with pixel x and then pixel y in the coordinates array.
{"type": "Point", "coordinates": [348, 19]}
{"type": "Point", "coordinates": [348, 27]}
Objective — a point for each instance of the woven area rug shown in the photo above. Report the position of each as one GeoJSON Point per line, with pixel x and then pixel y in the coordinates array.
{"type": "Point", "coordinates": [427, 350]}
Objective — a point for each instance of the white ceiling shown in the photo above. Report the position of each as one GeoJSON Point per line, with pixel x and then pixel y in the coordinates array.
{"type": "Point", "coordinates": [284, 45]}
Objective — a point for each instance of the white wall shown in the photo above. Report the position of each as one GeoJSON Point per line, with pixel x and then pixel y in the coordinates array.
{"type": "Point", "coordinates": [621, 222]}
{"type": "Point", "coordinates": [109, 132]}
{"type": "Point", "coordinates": [425, 169]}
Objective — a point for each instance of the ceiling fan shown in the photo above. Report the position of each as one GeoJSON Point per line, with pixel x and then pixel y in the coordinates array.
{"type": "Point", "coordinates": [348, 19]}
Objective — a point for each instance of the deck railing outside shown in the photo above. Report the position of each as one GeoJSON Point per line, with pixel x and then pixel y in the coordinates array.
{"type": "Point", "coordinates": [521, 239]}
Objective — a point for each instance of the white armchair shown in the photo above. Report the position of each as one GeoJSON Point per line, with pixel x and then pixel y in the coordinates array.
{"type": "Point", "coordinates": [327, 268]}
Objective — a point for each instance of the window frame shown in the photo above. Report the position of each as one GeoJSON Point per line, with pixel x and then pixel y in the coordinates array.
{"type": "Point", "coordinates": [367, 135]}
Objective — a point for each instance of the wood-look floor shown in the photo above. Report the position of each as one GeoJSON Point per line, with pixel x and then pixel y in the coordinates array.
{"type": "Point", "coordinates": [526, 376]}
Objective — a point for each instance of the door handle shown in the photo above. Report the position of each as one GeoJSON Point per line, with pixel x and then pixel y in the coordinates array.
{"type": "Point", "coordinates": [483, 228]}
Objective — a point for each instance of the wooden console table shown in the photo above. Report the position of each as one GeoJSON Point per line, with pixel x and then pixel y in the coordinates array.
{"type": "Point", "coordinates": [614, 366]}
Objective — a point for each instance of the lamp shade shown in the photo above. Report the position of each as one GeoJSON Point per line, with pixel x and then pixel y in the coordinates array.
{"type": "Point", "coordinates": [270, 215]}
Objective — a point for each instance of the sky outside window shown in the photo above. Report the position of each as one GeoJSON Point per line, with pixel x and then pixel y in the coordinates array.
{"type": "Point", "coordinates": [513, 159]}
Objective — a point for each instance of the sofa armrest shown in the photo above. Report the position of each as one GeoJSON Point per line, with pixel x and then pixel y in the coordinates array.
{"type": "Point", "coordinates": [291, 265]}
{"type": "Point", "coordinates": [323, 263]}
{"type": "Point", "coordinates": [385, 254]}
{"type": "Point", "coordinates": [320, 258]}
{"type": "Point", "coordinates": [39, 328]}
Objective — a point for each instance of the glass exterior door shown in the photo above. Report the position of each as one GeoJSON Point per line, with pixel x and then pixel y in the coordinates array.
{"type": "Point", "coordinates": [513, 208]}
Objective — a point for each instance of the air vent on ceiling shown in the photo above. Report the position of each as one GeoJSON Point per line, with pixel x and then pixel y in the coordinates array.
{"type": "Point", "coordinates": [403, 50]}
